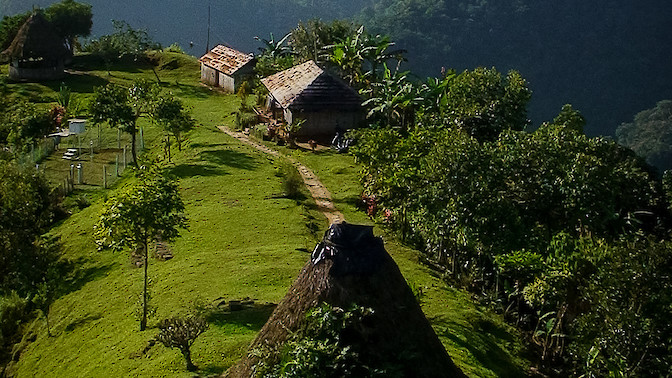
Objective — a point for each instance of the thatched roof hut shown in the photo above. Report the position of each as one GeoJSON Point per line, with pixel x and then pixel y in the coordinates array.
{"type": "Point", "coordinates": [352, 266]}
{"type": "Point", "coordinates": [37, 52]}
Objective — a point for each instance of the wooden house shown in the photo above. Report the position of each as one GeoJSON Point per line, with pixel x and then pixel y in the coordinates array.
{"type": "Point", "coordinates": [36, 53]}
{"type": "Point", "coordinates": [225, 67]}
{"type": "Point", "coordinates": [324, 102]}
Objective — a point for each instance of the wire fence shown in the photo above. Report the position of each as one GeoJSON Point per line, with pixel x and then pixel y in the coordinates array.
{"type": "Point", "coordinates": [95, 159]}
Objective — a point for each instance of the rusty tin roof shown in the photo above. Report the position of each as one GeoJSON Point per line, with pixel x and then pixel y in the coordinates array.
{"type": "Point", "coordinates": [308, 86]}
{"type": "Point", "coordinates": [225, 59]}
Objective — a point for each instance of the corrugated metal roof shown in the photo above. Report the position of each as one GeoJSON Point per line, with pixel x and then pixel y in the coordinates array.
{"type": "Point", "coordinates": [307, 86]}
{"type": "Point", "coordinates": [225, 59]}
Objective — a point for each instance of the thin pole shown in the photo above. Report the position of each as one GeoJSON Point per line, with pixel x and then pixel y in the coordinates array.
{"type": "Point", "coordinates": [207, 44]}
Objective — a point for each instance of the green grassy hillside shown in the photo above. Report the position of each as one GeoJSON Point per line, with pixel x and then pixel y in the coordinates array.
{"type": "Point", "coordinates": [243, 241]}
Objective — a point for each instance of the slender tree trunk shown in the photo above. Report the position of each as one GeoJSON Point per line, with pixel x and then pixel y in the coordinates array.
{"type": "Point", "coordinates": [187, 357]}
{"type": "Point", "coordinates": [143, 322]}
{"type": "Point", "coordinates": [46, 316]}
{"type": "Point", "coordinates": [168, 146]}
{"type": "Point", "coordinates": [133, 152]}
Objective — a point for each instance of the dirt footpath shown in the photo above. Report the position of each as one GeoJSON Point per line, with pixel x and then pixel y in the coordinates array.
{"type": "Point", "coordinates": [317, 190]}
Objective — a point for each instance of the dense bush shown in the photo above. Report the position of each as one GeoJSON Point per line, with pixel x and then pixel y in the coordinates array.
{"type": "Point", "coordinates": [13, 312]}
{"type": "Point", "coordinates": [125, 41]}
{"type": "Point", "coordinates": [27, 208]}
{"type": "Point", "coordinates": [326, 347]}
{"type": "Point", "coordinates": [536, 223]}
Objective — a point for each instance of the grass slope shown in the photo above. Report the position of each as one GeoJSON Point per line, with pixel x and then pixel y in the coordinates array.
{"type": "Point", "coordinates": [243, 241]}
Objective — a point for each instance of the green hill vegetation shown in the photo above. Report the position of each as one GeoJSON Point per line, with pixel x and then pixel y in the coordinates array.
{"type": "Point", "coordinates": [244, 241]}
{"type": "Point", "coordinates": [565, 236]}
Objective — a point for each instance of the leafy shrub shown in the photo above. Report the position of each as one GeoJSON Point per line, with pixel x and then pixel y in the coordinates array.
{"type": "Point", "coordinates": [327, 347]}
{"type": "Point", "coordinates": [175, 48]}
{"type": "Point", "coordinates": [13, 312]}
{"type": "Point", "coordinates": [292, 183]}
{"type": "Point", "coordinates": [181, 333]}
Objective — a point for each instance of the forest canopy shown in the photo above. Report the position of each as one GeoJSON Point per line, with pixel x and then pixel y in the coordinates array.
{"type": "Point", "coordinates": [650, 135]}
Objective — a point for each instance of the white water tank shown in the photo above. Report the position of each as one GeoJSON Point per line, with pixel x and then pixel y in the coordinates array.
{"type": "Point", "coordinates": [77, 126]}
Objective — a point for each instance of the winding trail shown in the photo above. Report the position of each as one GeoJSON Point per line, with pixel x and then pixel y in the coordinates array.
{"type": "Point", "coordinates": [317, 190]}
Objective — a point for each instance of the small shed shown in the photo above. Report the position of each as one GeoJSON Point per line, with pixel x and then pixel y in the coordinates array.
{"type": "Point", "coordinates": [307, 92]}
{"type": "Point", "coordinates": [226, 67]}
{"type": "Point", "coordinates": [36, 53]}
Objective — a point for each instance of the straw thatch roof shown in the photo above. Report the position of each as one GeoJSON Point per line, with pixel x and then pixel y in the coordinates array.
{"type": "Point", "coordinates": [37, 39]}
{"type": "Point", "coordinates": [352, 266]}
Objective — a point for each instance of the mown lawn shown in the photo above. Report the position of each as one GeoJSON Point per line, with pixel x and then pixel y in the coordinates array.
{"type": "Point", "coordinates": [244, 241]}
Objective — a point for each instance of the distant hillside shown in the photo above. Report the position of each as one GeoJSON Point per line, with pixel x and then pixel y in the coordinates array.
{"type": "Point", "coordinates": [610, 60]}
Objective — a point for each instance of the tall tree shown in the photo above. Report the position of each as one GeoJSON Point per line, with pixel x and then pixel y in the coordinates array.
{"type": "Point", "coordinates": [71, 20]}
{"type": "Point", "coordinates": [145, 211]}
{"type": "Point", "coordinates": [122, 107]}
{"type": "Point", "coordinates": [391, 100]}
{"type": "Point", "coordinates": [309, 39]}
{"type": "Point", "coordinates": [484, 103]}
{"type": "Point", "coordinates": [175, 120]}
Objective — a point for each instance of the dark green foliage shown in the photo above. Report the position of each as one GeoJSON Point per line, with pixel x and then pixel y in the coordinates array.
{"type": "Point", "coordinates": [391, 100]}
{"type": "Point", "coordinates": [328, 346]}
{"type": "Point", "coordinates": [483, 103]}
{"type": "Point", "coordinates": [530, 221]}
{"type": "Point", "coordinates": [22, 124]}
{"type": "Point", "coordinates": [568, 51]}
{"type": "Point", "coordinates": [181, 333]}
{"type": "Point", "coordinates": [268, 65]}
{"type": "Point", "coordinates": [121, 107]}
{"type": "Point", "coordinates": [175, 119]}
{"type": "Point", "coordinates": [13, 312]}
{"type": "Point", "coordinates": [275, 56]}
{"type": "Point", "coordinates": [27, 209]}
{"type": "Point", "coordinates": [627, 331]}
{"type": "Point", "coordinates": [125, 41]}
{"type": "Point", "coordinates": [650, 135]}
{"type": "Point", "coordinates": [9, 28]}
{"type": "Point", "coordinates": [70, 20]}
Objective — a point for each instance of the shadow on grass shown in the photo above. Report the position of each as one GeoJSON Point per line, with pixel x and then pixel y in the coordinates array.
{"type": "Point", "coordinates": [484, 342]}
{"type": "Point", "coordinates": [81, 321]}
{"type": "Point", "coordinates": [185, 90]}
{"type": "Point", "coordinates": [75, 275]}
{"type": "Point", "coordinates": [212, 370]}
{"type": "Point", "coordinates": [191, 170]}
{"type": "Point", "coordinates": [352, 201]}
{"type": "Point", "coordinates": [78, 82]}
{"type": "Point", "coordinates": [209, 145]}
{"type": "Point", "coordinates": [252, 317]}
{"type": "Point", "coordinates": [233, 159]}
